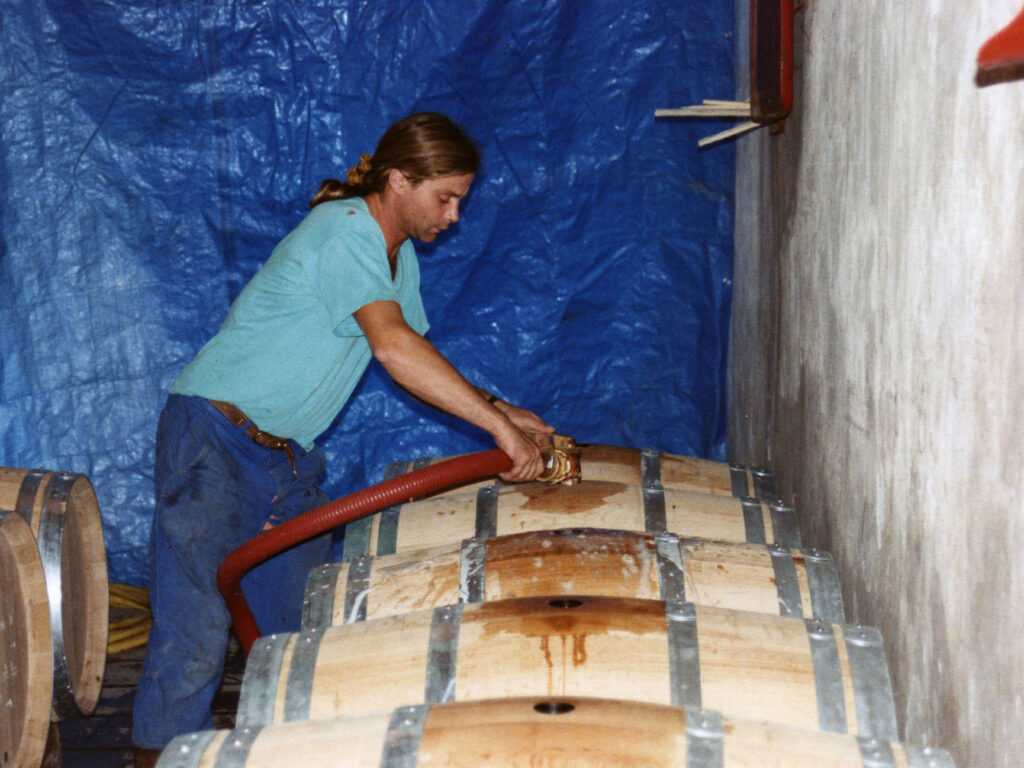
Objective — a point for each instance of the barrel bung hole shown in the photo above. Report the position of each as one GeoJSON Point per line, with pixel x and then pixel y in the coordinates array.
{"type": "Point", "coordinates": [554, 707]}
{"type": "Point", "coordinates": [565, 602]}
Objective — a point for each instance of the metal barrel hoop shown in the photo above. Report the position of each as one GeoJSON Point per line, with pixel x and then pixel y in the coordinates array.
{"type": "Point", "coordinates": [53, 517]}
{"type": "Point", "coordinates": [318, 600]}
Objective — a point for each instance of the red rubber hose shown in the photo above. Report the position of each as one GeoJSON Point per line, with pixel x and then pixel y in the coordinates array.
{"type": "Point", "coordinates": [455, 471]}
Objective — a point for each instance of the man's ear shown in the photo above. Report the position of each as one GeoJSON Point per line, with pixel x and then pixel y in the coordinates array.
{"type": "Point", "coordinates": [397, 181]}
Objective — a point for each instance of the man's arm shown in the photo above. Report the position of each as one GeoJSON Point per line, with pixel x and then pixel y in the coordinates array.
{"type": "Point", "coordinates": [416, 365]}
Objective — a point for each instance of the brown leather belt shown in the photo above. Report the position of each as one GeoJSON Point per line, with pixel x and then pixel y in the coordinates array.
{"type": "Point", "coordinates": [257, 435]}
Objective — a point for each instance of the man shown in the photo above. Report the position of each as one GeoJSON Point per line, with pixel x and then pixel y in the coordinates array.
{"type": "Point", "coordinates": [235, 444]}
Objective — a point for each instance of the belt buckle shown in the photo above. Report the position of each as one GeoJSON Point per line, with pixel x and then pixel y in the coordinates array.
{"type": "Point", "coordinates": [273, 442]}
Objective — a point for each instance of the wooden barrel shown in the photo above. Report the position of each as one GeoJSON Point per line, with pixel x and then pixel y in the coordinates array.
{"type": "Point", "coordinates": [618, 464]}
{"type": "Point", "coordinates": [26, 664]}
{"type": "Point", "coordinates": [498, 510]}
{"type": "Point", "coordinates": [562, 731]}
{"type": "Point", "coordinates": [751, 577]}
{"type": "Point", "coordinates": [62, 511]}
{"type": "Point", "coordinates": [803, 672]}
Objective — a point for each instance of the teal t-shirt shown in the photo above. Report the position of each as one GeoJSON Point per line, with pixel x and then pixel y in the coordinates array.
{"type": "Point", "coordinates": [290, 352]}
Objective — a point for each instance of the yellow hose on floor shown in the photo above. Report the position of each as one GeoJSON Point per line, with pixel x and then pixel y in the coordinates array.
{"type": "Point", "coordinates": [125, 634]}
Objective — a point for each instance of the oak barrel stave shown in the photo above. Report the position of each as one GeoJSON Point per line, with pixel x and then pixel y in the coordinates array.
{"type": "Point", "coordinates": [540, 731]}
{"type": "Point", "coordinates": [745, 664]}
{"type": "Point", "coordinates": [750, 577]}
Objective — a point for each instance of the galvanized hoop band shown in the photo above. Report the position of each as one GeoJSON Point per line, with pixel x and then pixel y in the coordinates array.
{"type": "Point", "coordinates": [828, 677]}
{"type": "Point", "coordinates": [671, 573]}
{"type": "Point", "coordinates": [472, 571]}
{"type": "Point", "coordinates": [928, 757]}
{"type": "Point", "coordinates": [357, 538]}
{"type": "Point", "coordinates": [186, 751]}
{"type": "Point", "coordinates": [487, 512]}
{"type": "Point", "coordinates": [738, 480]}
{"type": "Point", "coordinates": [402, 741]}
{"type": "Point", "coordinates": [705, 736]}
{"type": "Point", "coordinates": [823, 581]}
{"type": "Point", "coordinates": [27, 493]}
{"type": "Point", "coordinates": [753, 520]}
{"type": "Point", "coordinates": [654, 508]}
{"type": "Point", "coordinates": [876, 753]}
{"type": "Point", "coordinates": [357, 590]}
{"type": "Point", "coordinates": [387, 526]}
{"type": "Point", "coordinates": [683, 656]}
{"type": "Point", "coordinates": [51, 544]}
{"type": "Point", "coordinates": [259, 684]}
{"type": "Point", "coordinates": [318, 602]}
{"type": "Point", "coordinates": [234, 751]}
{"type": "Point", "coordinates": [876, 711]}
{"type": "Point", "coordinates": [387, 530]}
{"type": "Point", "coordinates": [442, 654]}
{"type": "Point", "coordinates": [653, 492]}
{"type": "Point", "coordinates": [786, 585]}
{"type": "Point", "coordinates": [395, 469]}
{"type": "Point", "coordinates": [764, 484]}
{"type": "Point", "coordinates": [300, 675]}
{"type": "Point", "coordinates": [785, 528]}
{"type": "Point", "coordinates": [650, 467]}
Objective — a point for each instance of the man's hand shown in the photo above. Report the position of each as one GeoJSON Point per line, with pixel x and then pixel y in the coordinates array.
{"type": "Point", "coordinates": [527, 460]}
{"type": "Point", "coordinates": [529, 422]}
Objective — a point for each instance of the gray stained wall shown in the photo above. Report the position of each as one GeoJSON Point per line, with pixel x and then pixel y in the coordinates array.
{"type": "Point", "coordinates": [877, 358]}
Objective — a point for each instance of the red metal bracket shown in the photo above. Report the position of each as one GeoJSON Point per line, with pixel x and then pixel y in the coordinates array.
{"type": "Point", "coordinates": [1002, 57]}
{"type": "Point", "coordinates": [771, 59]}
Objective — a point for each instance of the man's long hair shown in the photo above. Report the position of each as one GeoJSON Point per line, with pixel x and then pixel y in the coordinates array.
{"type": "Point", "coordinates": [425, 145]}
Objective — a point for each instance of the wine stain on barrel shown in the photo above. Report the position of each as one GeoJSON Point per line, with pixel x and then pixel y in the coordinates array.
{"type": "Point", "coordinates": [569, 499]}
{"type": "Point", "coordinates": [562, 625]}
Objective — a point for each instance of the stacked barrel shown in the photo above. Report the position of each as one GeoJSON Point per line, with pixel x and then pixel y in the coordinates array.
{"type": "Point", "coordinates": [53, 606]}
{"type": "Point", "coordinates": [660, 612]}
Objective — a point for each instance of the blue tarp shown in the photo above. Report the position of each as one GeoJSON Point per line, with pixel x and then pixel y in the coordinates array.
{"type": "Point", "coordinates": [151, 155]}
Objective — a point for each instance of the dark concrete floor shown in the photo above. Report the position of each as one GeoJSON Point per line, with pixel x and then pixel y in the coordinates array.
{"type": "Point", "coordinates": [103, 740]}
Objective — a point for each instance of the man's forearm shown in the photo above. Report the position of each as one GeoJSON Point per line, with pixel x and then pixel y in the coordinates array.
{"type": "Point", "coordinates": [416, 365]}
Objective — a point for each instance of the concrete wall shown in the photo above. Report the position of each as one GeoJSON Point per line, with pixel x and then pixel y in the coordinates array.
{"type": "Point", "coordinates": [877, 357]}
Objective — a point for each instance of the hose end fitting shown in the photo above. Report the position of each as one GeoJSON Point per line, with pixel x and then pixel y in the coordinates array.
{"type": "Point", "coordinates": [561, 461]}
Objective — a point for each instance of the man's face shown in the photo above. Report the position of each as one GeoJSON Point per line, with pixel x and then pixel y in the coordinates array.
{"type": "Point", "coordinates": [429, 207]}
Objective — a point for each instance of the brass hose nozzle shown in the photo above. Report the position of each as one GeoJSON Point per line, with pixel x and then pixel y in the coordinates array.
{"type": "Point", "coordinates": [561, 461]}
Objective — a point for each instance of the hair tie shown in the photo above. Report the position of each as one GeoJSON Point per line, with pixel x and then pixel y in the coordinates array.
{"type": "Point", "coordinates": [357, 172]}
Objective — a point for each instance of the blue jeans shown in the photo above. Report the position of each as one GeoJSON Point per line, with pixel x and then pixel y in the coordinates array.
{"type": "Point", "coordinates": [215, 490]}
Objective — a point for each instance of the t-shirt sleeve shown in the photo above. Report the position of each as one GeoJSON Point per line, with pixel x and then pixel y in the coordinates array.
{"type": "Point", "coordinates": [411, 299]}
{"type": "Point", "coordinates": [352, 272]}
{"type": "Point", "coordinates": [415, 315]}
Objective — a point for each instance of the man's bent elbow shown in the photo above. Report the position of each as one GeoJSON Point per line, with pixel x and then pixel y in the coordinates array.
{"type": "Point", "coordinates": [387, 353]}
{"type": "Point", "coordinates": [396, 353]}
